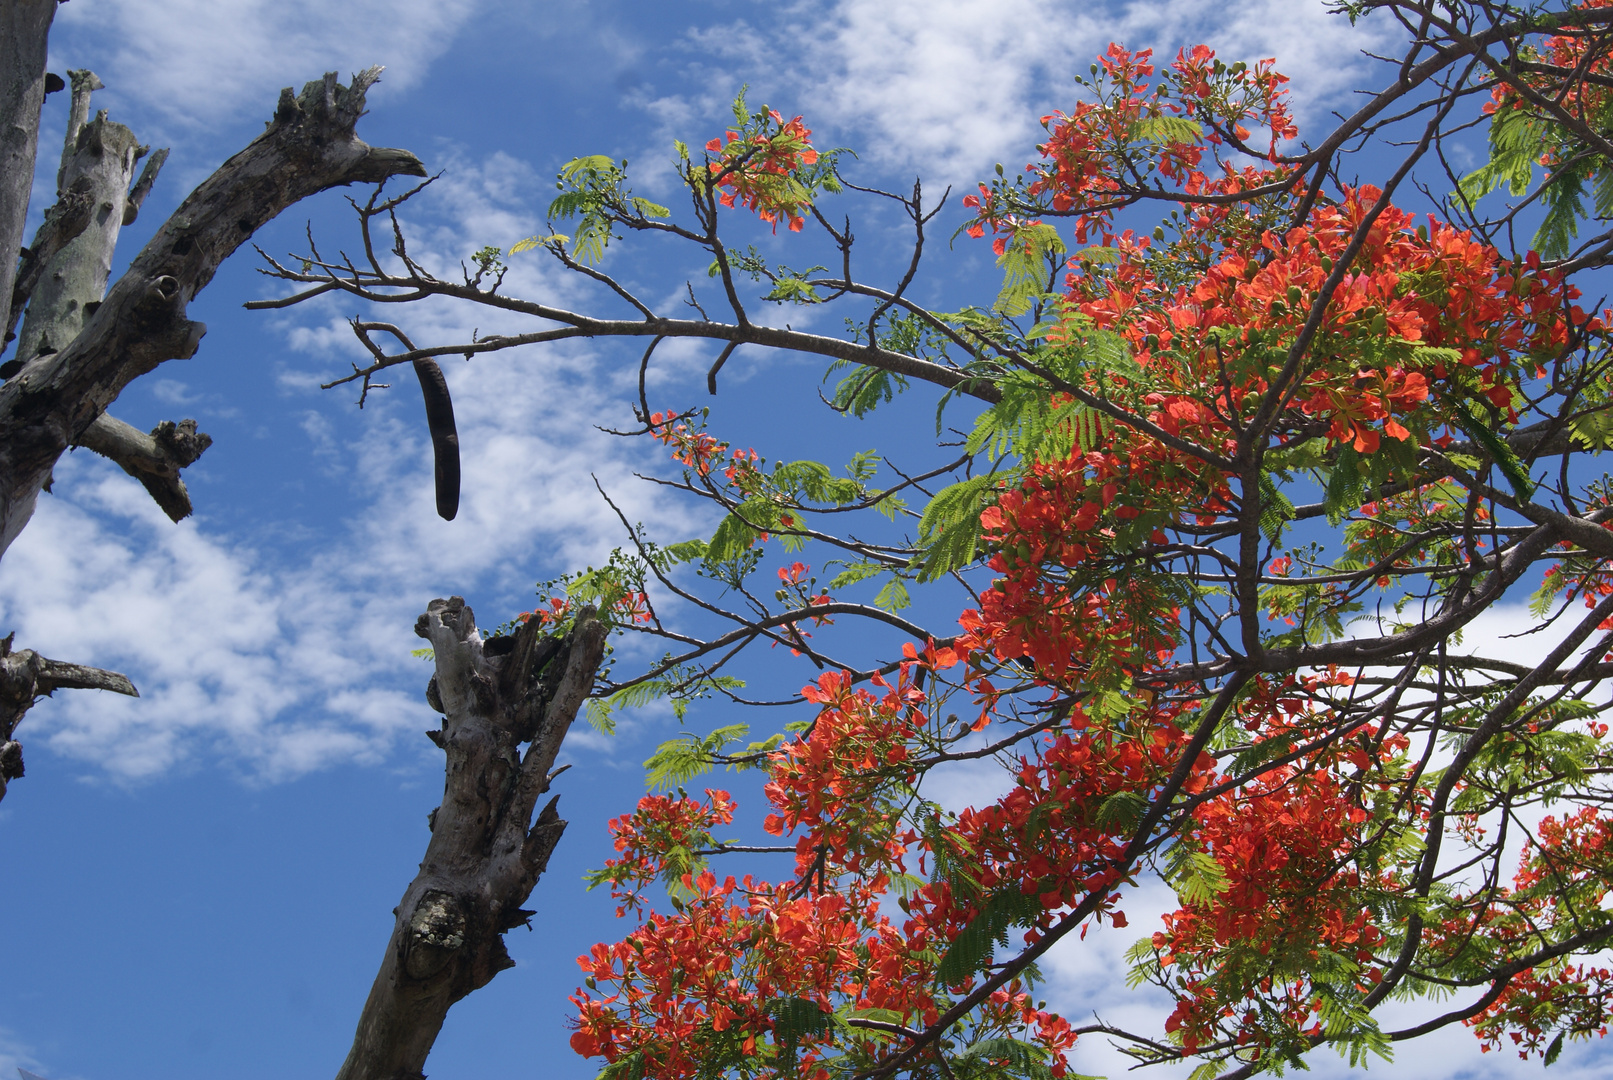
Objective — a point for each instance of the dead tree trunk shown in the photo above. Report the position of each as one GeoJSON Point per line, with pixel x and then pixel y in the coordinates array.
{"type": "Point", "coordinates": [24, 28]}
{"type": "Point", "coordinates": [77, 350]}
{"type": "Point", "coordinates": [486, 851]}
{"type": "Point", "coordinates": [50, 403]}
{"type": "Point", "coordinates": [97, 167]}
{"type": "Point", "coordinates": [63, 279]}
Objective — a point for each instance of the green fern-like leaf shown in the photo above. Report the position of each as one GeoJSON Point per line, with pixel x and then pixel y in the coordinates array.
{"type": "Point", "coordinates": [949, 530]}
{"type": "Point", "coordinates": [972, 949]}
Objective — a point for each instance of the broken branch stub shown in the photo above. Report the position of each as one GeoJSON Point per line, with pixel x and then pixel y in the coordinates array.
{"type": "Point", "coordinates": [486, 850]}
{"type": "Point", "coordinates": [25, 676]}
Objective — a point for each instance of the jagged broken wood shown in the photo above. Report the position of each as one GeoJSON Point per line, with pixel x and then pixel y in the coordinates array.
{"type": "Point", "coordinates": [486, 851]}
{"type": "Point", "coordinates": [309, 146]}
{"type": "Point", "coordinates": [63, 275]}
{"type": "Point", "coordinates": [154, 459]}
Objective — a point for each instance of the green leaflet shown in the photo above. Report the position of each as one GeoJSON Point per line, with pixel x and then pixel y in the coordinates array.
{"type": "Point", "coordinates": [1122, 811]}
{"type": "Point", "coordinates": [1497, 448]}
{"type": "Point", "coordinates": [893, 597]}
{"type": "Point", "coordinates": [591, 190]}
{"type": "Point", "coordinates": [735, 533]}
{"type": "Point", "coordinates": [1004, 1056]}
{"type": "Point", "coordinates": [949, 531]}
{"type": "Point", "coordinates": [1276, 510]}
{"type": "Point", "coordinates": [1167, 129]}
{"type": "Point", "coordinates": [600, 710]}
{"type": "Point", "coordinates": [1024, 264]}
{"type": "Point", "coordinates": [687, 551]}
{"type": "Point", "coordinates": [794, 1017]}
{"type": "Point", "coordinates": [865, 389]}
{"type": "Point", "coordinates": [855, 572]}
{"type": "Point", "coordinates": [627, 1067]}
{"type": "Point", "coordinates": [1594, 430]}
{"type": "Point", "coordinates": [972, 949]}
{"type": "Point", "coordinates": [1515, 141]}
{"type": "Point", "coordinates": [1099, 255]}
{"type": "Point", "coordinates": [1564, 196]}
{"type": "Point", "coordinates": [680, 760]}
{"type": "Point", "coordinates": [1195, 874]}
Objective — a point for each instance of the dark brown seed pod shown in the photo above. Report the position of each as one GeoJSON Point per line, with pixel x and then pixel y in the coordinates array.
{"type": "Point", "coordinates": [444, 436]}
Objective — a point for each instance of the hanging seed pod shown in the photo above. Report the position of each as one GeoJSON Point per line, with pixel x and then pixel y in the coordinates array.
{"type": "Point", "coordinates": [444, 437]}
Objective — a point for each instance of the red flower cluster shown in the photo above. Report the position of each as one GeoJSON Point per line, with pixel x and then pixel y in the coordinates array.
{"type": "Point", "coordinates": [758, 167]}
{"type": "Point", "coordinates": [1288, 876]}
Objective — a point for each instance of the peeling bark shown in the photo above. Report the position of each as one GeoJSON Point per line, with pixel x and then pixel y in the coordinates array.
{"type": "Point", "coordinates": [63, 280]}
{"type": "Point", "coordinates": [93, 183]}
{"type": "Point", "coordinates": [486, 851]}
{"type": "Point", "coordinates": [63, 223]}
{"type": "Point", "coordinates": [26, 676]}
{"type": "Point", "coordinates": [47, 406]}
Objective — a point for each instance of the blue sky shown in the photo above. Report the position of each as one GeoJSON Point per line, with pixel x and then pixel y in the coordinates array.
{"type": "Point", "coordinates": [199, 883]}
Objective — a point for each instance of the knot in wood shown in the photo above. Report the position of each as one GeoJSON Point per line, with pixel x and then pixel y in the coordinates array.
{"type": "Point", "coordinates": [436, 934]}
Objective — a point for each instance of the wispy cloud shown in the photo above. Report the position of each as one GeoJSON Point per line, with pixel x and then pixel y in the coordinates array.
{"type": "Point", "coordinates": [198, 63]}
{"type": "Point", "coordinates": [945, 88]}
{"type": "Point", "coordinates": [15, 1055]}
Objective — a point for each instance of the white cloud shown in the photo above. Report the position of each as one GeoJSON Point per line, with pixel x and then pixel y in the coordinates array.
{"type": "Point", "coordinates": [15, 1055]}
{"type": "Point", "coordinates": [283, 664]}
{"type": "Point", "coordinates": [199, 63]}
{"type": "Point", "coordinates": [945, 88]}
{"type": "Point", "coordinates": [284, 667]}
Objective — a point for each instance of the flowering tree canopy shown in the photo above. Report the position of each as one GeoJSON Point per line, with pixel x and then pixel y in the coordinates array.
{"type": "Point", "coordinates": [1251, 443]}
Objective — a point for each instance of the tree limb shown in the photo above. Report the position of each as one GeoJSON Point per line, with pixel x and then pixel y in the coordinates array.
{"type": "Point", "coordinates": [26, 676]}
{"type": "Point", "coordinates": [309, 146]}
{"type": "Point", "coordinates": [486, 852]}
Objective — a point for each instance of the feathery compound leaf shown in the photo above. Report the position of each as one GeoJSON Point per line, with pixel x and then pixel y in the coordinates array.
{"type": "Point", "coordinates": [1004, 1056]}
{"type": "Point", "coordinates": [1024, 266]}
{"type": "Point", "coordinates": [1499, 451]}
{"type": "Point", "coordinates": [1275, 509]}
{"type": "Point", "coordinates": [1564, 196]}
{"type": "Point", "coordinates": [1166, 129]}
{"type": "Point", "coordinates": [680, 760]}
{"type": "Point", "coordinates": [627, 1067]}
{"type": "Point", "coordinates": [739, 530]}
{"type": "Point", "coordinates": [1343, 493]}
{"type": "Point", "coordinates": [1122, 811]}
{"type": "Point", "coordinates": [949, 531]}
{"type": "Point", "coordinates": [1515, 140]}
{"type": "Point", "coordinates": [794, 1017]}
{"type": "Point", "coordinates": [972, 949]}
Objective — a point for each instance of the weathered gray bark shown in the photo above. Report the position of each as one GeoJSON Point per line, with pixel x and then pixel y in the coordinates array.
{"type": "Point", "coordinates": [24, 29]}
{"type": "Point", "coordinates": [46, 407]}
{"type": "Point", "coordinates": [98, 167]}
{"type": "Point", "coordinates": [25, 676]}
{"type": "Point", "coordinates": [486, 851]}
{"type": "Point", "coordinates": [63, 280]}
{"type": "Point", "coordinates": [153, 459]}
